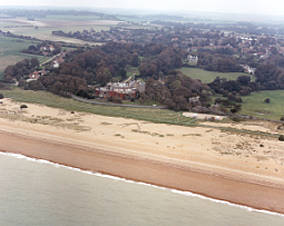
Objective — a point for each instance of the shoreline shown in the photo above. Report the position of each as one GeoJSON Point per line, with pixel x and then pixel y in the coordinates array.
{"type": "Point", "coordinates": [137, 169]}
{"type": "Point", "coordinates": [183, 193]}
{"type": "Point", "coordinates": [244, 169]}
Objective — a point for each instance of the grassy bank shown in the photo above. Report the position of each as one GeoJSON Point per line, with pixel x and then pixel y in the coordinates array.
{"type": "Point", "coordinates": [209, 76]}
{"type": "Point", "coordinates": [151, 115]}
{"type": "Point", "coordinates": [255, 105]}
{"type": "Point", "coordinates": [48, 99]}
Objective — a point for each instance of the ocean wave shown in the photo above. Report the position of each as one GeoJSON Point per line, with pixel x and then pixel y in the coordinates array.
{"type": "Point", "coordinates": [184, 193]}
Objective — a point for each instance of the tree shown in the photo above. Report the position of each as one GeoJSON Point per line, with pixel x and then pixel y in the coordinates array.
{"type": "Point", "coordinates": [267, 101]}
{"type": "Point", "coordinates": [103, 75]}
{"type": "Point", "coordinates": [34, 62]}
{"type": "Point", "coordinates": [23, 106]}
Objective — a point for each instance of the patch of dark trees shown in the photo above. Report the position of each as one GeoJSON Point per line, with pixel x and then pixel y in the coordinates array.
{"type": "Point", "coordinates": [20, 70]}
{"type": "Point", "coordinates": [178, 92]}
{"type": "Point", "coordinates": [220, 60]}
{"type": "Point", "coordinates": [164, 61]}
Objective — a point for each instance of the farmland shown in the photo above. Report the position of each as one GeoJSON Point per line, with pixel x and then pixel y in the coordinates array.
{"type": "Point", "coordinates": [209, 76]}
{"type": "Point", "coordinates": [10, 51]}
{"type": "Point", "coordinates": [42, 28]}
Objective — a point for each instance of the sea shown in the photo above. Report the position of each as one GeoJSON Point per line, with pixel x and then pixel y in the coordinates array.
{"type": "Point", "coordinates": [38, 192]}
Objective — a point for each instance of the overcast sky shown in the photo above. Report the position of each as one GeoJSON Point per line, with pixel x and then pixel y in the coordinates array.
{"type": "Point", "coordinates": [272, 7]}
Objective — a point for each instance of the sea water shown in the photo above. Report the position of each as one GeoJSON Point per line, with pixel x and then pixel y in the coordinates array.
{"type": "Point", "coordinates": [36, 192]}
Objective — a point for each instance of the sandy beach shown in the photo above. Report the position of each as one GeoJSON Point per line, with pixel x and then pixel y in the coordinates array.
{"type": "Point", "coordinates": [241, 168]}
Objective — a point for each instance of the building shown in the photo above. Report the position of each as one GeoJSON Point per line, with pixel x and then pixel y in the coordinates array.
{"type": "Point", "coordinates": [191, 60]}
{"type": "Point", "coordinates": [36, 74]}
{"type": "Point", "coordinates": [121, 90]}
{"type": "Point", "coordinates": [249, 69]}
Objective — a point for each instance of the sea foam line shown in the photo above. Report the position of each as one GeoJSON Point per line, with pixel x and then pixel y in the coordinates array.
{"type": "Point", "coordinates": [184, 193]}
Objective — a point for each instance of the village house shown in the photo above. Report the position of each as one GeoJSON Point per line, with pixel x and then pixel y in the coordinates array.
{"type": "Point", "coordinates": [248, 69]}
{"type": "Point", "coordinates": [121, 90]}
{"type": "Point", "coordinates": [55, 64]}
{"type": "Point", "coordinates": [36, 75]}
{"type": "Point", "coordinates": [58, 60]}
{"type": "Point", "coordinates": [48, 48]}
{"type": "Point", "coordinates": [194, 100]}
{"type": "Point", "coordinates": [191, 60]}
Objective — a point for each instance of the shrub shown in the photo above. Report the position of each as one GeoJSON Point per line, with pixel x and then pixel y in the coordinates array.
{"type": "Point", "coordinates": [23, 106]}
{"type": "Point", "coordinates": [267, 100]}
{"type": "Point", "coordinates": [1, 96]}
{"type": "Point", "coordinates": [281, 137]}
{"type": "Point", "coordinates": [236, 118]}
{"type": "Point", "coordinates": [282, 118]}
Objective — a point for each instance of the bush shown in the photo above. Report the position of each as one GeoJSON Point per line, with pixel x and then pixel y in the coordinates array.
{"type": "Point", "coordinates": [236, 118]}
{"type": "Point", "coordinates": [23, 106]}
{"type": "Point", "coordinates": [1, 96]}
{"type": "Point", "coordinates": [281, 137]}
{"type": "Point", "coordinates": [267, 100]}
{"type": "Point", "coordinates": [282, 118]}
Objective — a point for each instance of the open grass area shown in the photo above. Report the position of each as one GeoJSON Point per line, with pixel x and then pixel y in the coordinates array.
{"type": "Point", "coordinates": [209, 76]}
{"type": "Point", "coordinates": [48, 99]}
{"type": "Point", "coordinates": [255, 105]}
{"type": "Point", "coordinates": [10, 51]}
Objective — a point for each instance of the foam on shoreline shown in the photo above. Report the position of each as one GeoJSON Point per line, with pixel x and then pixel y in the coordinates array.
{"type": "Point", "coordinates": [184, 193]}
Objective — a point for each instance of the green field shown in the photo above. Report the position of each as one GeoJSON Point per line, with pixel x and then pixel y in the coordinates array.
{"type": "Point", "coordinates": [48, 99]}
{"type": "Point", "coordinates": [10, 51]}
{"type": "Point", "coordinates": [254, 104]}
{"type": "Point", "coordinates": [209, 76]}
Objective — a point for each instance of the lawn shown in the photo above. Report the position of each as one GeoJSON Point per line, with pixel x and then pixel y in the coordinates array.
{"type": "Point", "coordinates": [255, 105]}
{"type": "Point", "coordinates": [48, 99]}
{"type": "Point", "coordinates": [209, 76]}
{"type": "Point", "coordinates": [10, 51]}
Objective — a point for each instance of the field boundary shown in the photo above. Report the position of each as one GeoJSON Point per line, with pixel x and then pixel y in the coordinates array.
{"type": "Point", "coordinates": [116, 105]}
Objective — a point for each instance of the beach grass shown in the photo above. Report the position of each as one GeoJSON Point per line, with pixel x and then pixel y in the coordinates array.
{"type": "Point", "coordinates": [151, 115]}
{"type": "Point", "coordinates": [51, 100]}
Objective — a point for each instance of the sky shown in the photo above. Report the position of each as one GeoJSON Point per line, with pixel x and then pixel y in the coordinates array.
{"type": "Point", "coordinates": [268, 7]}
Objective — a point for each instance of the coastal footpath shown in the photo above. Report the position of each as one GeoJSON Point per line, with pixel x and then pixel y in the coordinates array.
{"type": "Point", "coordinates": [241, 168]}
